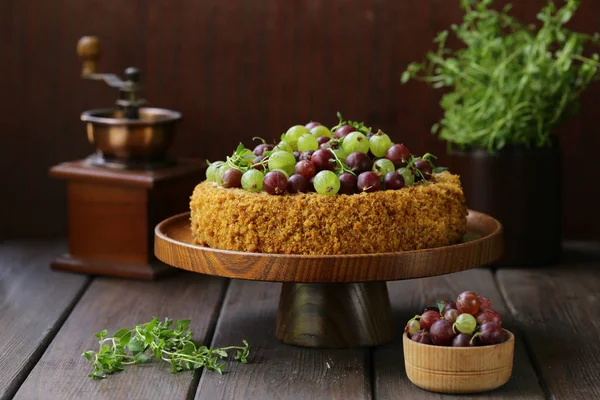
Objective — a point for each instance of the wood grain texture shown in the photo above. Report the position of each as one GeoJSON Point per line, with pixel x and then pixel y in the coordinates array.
{"type": "Point", "coordinates": [108, 223]}
{"type": "Point", "coordinates": [255, 77]}
{"type": "Point", "coordinates": [233, 78]}
{"type": "Point", "coordinates": [49, 95]}
{"type": "Point", "coordinates": [459, 369]}
{"type": "Point", "coordinates": [173, 245]}
{"type": "Point", "coordinates": [34, 302]}
{"type": "Point", "coordinates": [411, 297]}
{"type": "Point", "coordinates": [557, 311]}
{"type": "Point", "coordinates": [113, 304]}
{"type": "Point", "coordinates": [276, 370]}
{"type": "Point", "coordinates": [337, 315]}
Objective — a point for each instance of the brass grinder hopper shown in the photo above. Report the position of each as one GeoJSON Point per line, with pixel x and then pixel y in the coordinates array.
{"type": "Point", "coordinates": [129, 136]}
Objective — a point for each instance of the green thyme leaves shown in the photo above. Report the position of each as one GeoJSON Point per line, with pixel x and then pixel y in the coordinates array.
{"type": "Point", "coordinates": [157, 339]}
{"type": "Point", "coordinates": [510, 83]}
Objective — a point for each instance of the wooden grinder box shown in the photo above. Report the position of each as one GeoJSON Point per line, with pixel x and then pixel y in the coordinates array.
{"type": "Point", "coordinates": [112, 214]}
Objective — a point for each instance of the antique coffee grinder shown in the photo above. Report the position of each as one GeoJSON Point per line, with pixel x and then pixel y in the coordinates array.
{"type": "Point", "coordinates": [117, 195]}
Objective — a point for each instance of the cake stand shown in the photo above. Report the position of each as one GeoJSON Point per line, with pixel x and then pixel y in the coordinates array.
{"type": "Point", "coordinates": [331, 301]}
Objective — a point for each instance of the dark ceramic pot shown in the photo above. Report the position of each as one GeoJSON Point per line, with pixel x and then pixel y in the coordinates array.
{"type": "Point", "coordinates": [521, 188]}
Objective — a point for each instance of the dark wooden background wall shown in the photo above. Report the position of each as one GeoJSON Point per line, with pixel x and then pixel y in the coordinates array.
{"type": "Point", "coordinates": [236, 69]}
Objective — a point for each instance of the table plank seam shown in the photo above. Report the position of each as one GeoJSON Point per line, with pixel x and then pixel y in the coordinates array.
{"type": "Point", "coordinates": [46, 342]}
{"type": "Point", "coordinates": [210, 333]}
{"type": "Point", "coordinates": [523, 336]}
{"type": "Point", "coordinates": [370, 370]}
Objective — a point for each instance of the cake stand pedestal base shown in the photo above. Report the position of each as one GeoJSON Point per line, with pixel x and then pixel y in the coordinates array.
{"type": "Point", "coordinates": [335, 315]}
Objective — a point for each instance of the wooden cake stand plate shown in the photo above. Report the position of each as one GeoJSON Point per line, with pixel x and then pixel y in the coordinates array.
{"type": "Point", "coordinates": [331, 301]}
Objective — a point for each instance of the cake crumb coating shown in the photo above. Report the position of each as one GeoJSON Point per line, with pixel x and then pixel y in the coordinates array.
{"type": "Point", "coordinates": [426, 215]}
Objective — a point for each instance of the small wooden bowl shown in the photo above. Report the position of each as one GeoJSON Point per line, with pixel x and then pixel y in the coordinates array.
{"type": "Point", "coordinates": [459, 369]}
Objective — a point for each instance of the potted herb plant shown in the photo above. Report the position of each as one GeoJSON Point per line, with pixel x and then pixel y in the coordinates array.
{"type": "Point", "coordinates": [507, 87]}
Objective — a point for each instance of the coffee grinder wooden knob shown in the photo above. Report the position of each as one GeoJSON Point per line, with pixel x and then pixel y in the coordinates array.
{"type": "Point", "coordinates": [88, 49]}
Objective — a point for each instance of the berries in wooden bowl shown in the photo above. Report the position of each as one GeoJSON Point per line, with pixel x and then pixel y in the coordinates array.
{"type": "Point", "coordinates": [458, 347]}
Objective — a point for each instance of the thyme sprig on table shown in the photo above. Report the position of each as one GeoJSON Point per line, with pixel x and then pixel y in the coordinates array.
{"type": "Point", "coordinates": [156, 338]}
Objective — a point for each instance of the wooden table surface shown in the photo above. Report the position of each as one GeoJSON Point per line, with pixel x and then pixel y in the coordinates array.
{"type": "Point", "coordinates": [47, 319]}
